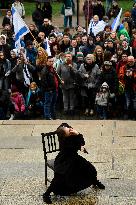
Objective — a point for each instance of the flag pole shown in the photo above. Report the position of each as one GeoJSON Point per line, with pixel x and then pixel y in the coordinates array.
{"type": "Point", "coordinates": [87, 20]}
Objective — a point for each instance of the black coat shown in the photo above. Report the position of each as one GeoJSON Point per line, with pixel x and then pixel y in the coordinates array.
{"type": "Point", "coordinates": [6, 20]}
{"type": "Point", "coordinates": [110, 77]}
{"type": "Point", "coordinates": [48, 80]}
{"type": "Point", "coordinates": [46, 29]}
{"type": "Point", "coordinates": [72, 172]}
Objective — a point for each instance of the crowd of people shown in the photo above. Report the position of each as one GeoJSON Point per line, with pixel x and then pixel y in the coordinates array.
{"type": "Point", "coordinates": [84, 71]}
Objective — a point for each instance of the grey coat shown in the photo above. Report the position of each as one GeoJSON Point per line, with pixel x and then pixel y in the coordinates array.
{"type": "Point", "coordinates": [94, 75]}
{"type": "Point", "coordinates": [68, 75]}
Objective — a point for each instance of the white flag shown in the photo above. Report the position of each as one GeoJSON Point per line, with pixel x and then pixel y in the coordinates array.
{"type": "Point", "coordinates": [48, 47]}
{"type": "Point", "coordinates": [116, 21]}
{"type": "Point", "coordinates": [20, 28]}
{"type": "Point", "coordinates": [99, 27]}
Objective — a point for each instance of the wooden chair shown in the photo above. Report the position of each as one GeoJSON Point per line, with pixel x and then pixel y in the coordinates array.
{"type": "Point", "coordinates": [50, 145]}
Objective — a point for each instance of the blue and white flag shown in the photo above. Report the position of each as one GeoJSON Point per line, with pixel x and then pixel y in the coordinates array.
{"type": "Point", "coordinates": [48, 47]}
{"type": "Point", "coordinates": [99, 27]}
{"type": "Point", "coordinates": [20, 28]}
{"type": "Point", "coordinates": [116, 21]}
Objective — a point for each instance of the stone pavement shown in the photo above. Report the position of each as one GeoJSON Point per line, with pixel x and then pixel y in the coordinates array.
{"type": "Point", "coordinates": [112, 150]}
{"type": "Point", "coordinates": [56, 21]}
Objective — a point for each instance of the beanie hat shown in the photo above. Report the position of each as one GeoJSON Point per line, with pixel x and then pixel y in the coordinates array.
{"type": "Point", "coordinates": [105, 85]}
{"type": "Point", "coordinates": [79, 55]}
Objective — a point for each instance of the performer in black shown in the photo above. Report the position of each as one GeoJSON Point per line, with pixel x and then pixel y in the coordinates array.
{"type": "Point", "coordinates": [72, 173]}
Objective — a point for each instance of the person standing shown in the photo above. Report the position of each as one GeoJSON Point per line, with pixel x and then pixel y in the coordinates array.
{"type": "Point", "coordinates": [49, 86]}
{"type": "Point", "coordinates": [89, 72]}
{"type": "Point", "coordinates": [37, 16]}
{"type": "Point", "coordinates": [47, 10]}
{"type": "Point", "coordinates": [67, 72]}
{"type": "Point", "coordinates": [19, 7]}
{"type": "Point", "coordinates": [68, 5]}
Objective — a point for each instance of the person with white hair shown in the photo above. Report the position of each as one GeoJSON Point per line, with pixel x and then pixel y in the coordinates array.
{"type": "Point", "coordinates": [93, 22]}
{"type": "Point", "coordinates": [89, 73]}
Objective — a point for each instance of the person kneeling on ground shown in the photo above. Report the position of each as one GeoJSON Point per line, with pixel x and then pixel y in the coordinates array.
{"type": "Point", "coordinates": [72, 173]}
{"type": "Point", "coordinates": [34, 102]}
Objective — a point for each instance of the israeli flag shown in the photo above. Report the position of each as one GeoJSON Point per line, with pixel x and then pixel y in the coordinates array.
{"type": "Point", "coordinates": [48, 47]}
{"type": "Point", "coordinates": [116, 21]}
{"type": "Point", "coordinates": [20, 28]}
{"type": "Point", "coordinates": [99, 27]}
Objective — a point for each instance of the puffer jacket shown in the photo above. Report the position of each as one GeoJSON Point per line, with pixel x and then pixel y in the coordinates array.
{"type": "Point", "coordinates": [18, 101]}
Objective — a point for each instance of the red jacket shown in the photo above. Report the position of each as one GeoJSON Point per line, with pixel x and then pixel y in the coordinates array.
{"type": "Point", "coordinates": [18, 101]}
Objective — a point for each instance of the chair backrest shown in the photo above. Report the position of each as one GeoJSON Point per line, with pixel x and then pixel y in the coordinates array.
{"type": "Point", "coordinates": [50, 142]}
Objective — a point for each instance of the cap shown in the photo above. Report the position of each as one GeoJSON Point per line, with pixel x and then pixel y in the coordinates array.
{"type": "Point", "coordinates": [105, 85]}
{"type": "Point", "coordinates": [79, 55]}
{"type": "Point", "coordinates": [108, 63]}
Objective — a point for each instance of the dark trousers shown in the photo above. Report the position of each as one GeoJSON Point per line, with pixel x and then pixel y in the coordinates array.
{"type": "Point", "coordinates": [90, 99]}
{"type": "Point", "coordinates": [50, 99]}
{"type": "Point", "coordinates": [102, 111]}
{"type": "Point", "coordinates": [69, 99]}
{"type": "Point", "coordinates": [66, 19]}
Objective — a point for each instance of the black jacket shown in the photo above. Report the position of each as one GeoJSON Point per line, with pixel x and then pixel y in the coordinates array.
{"type": "Point", "coordinates": [47, 29]}
{"type": "Point", "coordinates": [48, 80]}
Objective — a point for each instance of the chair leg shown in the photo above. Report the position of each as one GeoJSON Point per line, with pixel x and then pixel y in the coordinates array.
{"type": "Point", "coordinates": [46, 172]}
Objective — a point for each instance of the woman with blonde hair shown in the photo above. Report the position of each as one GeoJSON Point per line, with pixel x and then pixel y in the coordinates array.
{"type": "Point", "coordinates": [99, 55]}
{"type": "Point", "coordinates": [41, 60]}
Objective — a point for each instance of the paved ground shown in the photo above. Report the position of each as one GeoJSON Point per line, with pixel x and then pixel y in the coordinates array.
{"type": "Point", "coordinates": [111, 146]}
{"type": "Point", "coordinates": [56, 21]}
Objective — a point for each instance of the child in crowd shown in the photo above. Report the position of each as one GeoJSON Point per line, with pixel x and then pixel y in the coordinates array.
{"type": "Point", "coordinates": [102, 101]}
{"type": "Point", "coordinates": [19, 103]}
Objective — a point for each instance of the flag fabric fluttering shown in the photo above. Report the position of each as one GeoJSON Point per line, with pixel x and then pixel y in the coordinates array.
{"type": "Point", "coordinates": [48, 47]}
{"type": "Point", "coordinates": [116, 21]}
{"type": "Point", "coordinates": [99, 27]}
{"type": "Point", "coordinates": [20, 28]}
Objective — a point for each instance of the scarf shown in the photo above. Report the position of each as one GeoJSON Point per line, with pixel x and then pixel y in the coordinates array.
{"type": "Point", "coordinates": [26, 75]}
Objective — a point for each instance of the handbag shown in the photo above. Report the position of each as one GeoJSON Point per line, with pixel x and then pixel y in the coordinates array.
{"type": "Point", "coordinates": [68, 12]}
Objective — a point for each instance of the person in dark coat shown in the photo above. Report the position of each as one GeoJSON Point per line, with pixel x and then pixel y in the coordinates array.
{"type": "Point", "coordinates": [37, 16]}
{"type": "Point", "coordinates": [72, 173]}
{"type": "Point", "coordinates": [46, 27]}
{"type": "Point", "coordinates": [114, 10]}
{"type": "Point", "coordinates": [49, 86]}
{"type": "Point", "coordinates": [7, 20]}
{"type": "Point", "coordinates": [47, 10]}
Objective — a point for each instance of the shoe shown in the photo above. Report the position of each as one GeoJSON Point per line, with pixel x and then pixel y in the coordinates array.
{"type": "Point", "coordinates": [99, 185]}
{"type": "Point", "coordinates": [91, 112]}
{"type": "Point", "coordinates": [86, 112]}
{"type": "Point", "coordinates": [47, 199]}
{"type": "Point", "coordinates": [11, 117]}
